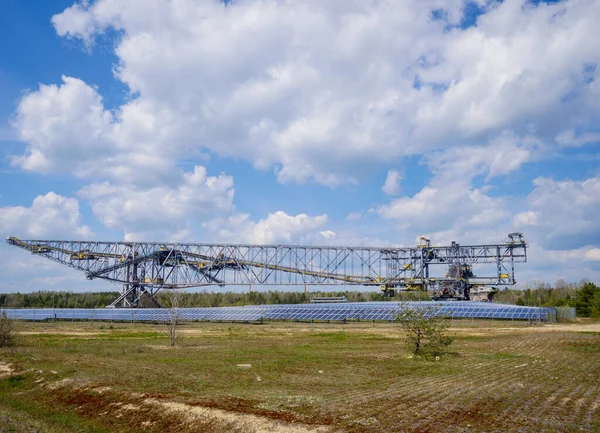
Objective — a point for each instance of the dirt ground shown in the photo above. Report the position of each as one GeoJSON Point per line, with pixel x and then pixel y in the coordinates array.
{"type": "Point", "coordinates": [300, 377]}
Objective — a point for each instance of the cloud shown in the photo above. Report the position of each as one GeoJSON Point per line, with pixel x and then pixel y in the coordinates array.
{"type": "Point", "coordinates": [437, 208]}
{"type": "Point", "coordinates": [514, 70]}
{"type": "Point", "coordinates": [557, 264]}
{"type": "Point", "coordinates": [328, 234]}
{"type": "Point", "coordinates": [392, 183]}
{"type": "Point", "coordinates": [328, 92]}
{"type": "Point", "coordinates": [566, 212]}
{"type": "Point", "coordinates": [67, 129]}
{"type": "Point", "coordinates": [64, 126]}
{"type": "Point", "coordinates": [571, 139]}
{"type": "Point", "coordinates": [278, 227]}
{"type": "Point", "coordinates": [75, 22]}
{"type": "Point", "coordinates": [524, 219]}
{"type": "Point", "coordinates": [162, 210]}
{"type": "Point", "coordinates": [49, 215]}
{"type": "Point", "coordinates": [592, 255]}
{"type": "Point", "coordinates": [451, 201]}
{"type": "Point", "coordinates": [499, 156]}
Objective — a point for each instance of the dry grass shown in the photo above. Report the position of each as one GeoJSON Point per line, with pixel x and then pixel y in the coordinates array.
{"type": "Point", "coordinates": [500, 376]}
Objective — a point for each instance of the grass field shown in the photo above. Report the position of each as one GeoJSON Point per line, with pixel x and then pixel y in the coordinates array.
{"type": "Point", "coordinates": [498, 376]}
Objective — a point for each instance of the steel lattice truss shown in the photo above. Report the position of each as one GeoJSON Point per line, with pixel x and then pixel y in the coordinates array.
{"type": "Point", "coordinates": [146, 267]}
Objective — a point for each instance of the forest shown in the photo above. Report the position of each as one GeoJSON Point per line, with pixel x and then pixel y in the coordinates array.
{"type": "Point", "coordinates": [584, 296]}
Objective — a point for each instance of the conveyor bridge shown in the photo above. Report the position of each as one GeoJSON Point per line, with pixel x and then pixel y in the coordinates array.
{"type": "Point", "coordinates": [144, 268]}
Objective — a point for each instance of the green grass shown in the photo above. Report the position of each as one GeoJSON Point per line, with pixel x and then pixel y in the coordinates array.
{"type": "Point", "coordinates": [502, 355]}
{"type": "Point", "coordinates": [22, 413]}
{"type": "Point", "coordinates": [585, 347]}
{"type": "Point", "coordinates": [356, 377]}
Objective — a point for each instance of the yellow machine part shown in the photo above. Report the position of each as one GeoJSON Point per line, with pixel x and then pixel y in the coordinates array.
{"type": "Point", "coordinates": [154, 280]}
{"type": "Point", "coordinates": [81, 255]}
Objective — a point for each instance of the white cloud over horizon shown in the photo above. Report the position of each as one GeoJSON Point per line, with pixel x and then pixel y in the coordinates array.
{"type": "Point", "coordinates": [323, 95]}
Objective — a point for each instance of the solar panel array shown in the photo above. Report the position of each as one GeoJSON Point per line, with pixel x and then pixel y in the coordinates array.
{"type": "Point", "coordinates": [378, 311]}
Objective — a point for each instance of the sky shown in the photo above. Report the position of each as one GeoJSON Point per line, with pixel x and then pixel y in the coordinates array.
{"type": "Point", "coordinates": [344, 122]}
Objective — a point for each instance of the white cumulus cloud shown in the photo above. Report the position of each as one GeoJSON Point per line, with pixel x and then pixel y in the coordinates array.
{"type": "Point", "coordinates": [329, 91]}
{"type": "Point", "coordinates": [64, 126]}
{"type": "Point", "coordinates": [162, 210]}
{"type": "Point", "coordinates": [277, 227]}
{"type": "Point", "coordinates": [49, 215]}
{"type": "Point", "coordinates": [567, 212]}
{"type": "Point", "coordinates": [451, 201]}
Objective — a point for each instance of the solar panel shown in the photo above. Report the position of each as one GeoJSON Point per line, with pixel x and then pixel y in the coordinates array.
{"type": "Point", "coordinates": [326, 312]}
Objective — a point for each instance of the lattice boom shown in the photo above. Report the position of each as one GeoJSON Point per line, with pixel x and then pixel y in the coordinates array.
{"type": "Point", "coordinates": [146, 267]}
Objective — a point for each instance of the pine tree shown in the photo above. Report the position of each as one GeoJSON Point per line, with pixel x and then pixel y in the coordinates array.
{"type": "Point", "coordinates": [586, 298]}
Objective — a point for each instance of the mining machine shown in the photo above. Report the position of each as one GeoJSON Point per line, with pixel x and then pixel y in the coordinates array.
{"type": "Point", "coordinates": [144, 268]}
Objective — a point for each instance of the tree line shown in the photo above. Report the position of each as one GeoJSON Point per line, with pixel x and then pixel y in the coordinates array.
{"type": "Point", "coordinates": [584, 296]}
{"type": "Point", "coordinates": [48, 299]}
{"type": "Point", "coordinates": [51, 299]}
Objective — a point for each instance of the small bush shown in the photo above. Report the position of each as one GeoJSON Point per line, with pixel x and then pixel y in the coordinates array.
{"type": "Point", "coordinates": [7, 331]}
{"type": "Point", "coordinates": [426, 333]}
{"type": "Point", "coordinates": [15, 380]}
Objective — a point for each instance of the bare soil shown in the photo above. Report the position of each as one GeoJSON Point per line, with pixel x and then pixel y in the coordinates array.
{"type": "Point", "coordinates": [358, 377]}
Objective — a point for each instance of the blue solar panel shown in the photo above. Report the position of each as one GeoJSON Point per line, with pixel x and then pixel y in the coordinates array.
{"type": "Point", "coordinates": [331, 311]}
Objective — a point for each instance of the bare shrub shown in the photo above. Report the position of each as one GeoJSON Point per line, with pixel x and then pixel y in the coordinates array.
{"type": "Point", "coordinates": [173, 299]}
{"type": "Point", "coordinates": [7, 331]}
{"type": "Point", "coordinates": [425, 332]}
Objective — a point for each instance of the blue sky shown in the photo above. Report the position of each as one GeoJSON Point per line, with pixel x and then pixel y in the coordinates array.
{"type": "Point", "coordinates": [358, 123]}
